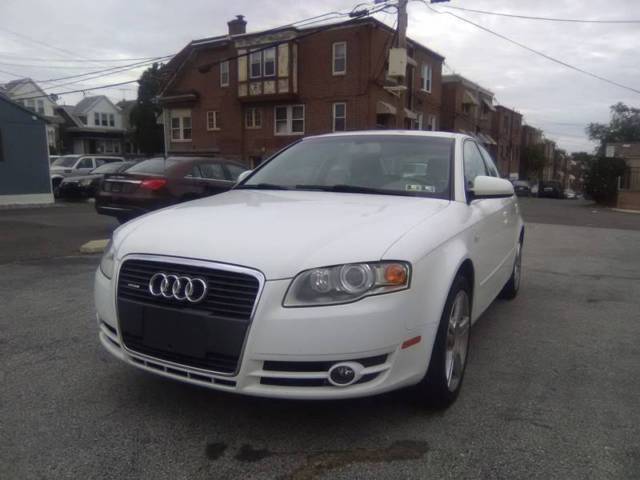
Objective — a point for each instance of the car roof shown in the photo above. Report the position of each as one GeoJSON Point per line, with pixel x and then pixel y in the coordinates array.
{"type": "Point", "coordinates": [406, 133]}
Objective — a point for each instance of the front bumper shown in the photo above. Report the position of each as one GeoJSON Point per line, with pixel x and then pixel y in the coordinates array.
{"type": "Point", "coordinates": [288, 351]}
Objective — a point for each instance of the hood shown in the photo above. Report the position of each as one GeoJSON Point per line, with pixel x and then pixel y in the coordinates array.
{"type": "Point", "coordinates": [278, 232]}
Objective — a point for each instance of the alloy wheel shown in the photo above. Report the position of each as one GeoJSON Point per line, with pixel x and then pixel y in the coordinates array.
{"type": "Point", "coordinates": [457, 340]}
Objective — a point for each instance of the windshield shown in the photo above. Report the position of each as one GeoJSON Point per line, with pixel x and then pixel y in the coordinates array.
{"type": "Point", "coordinates": [66, 161]}
{"type": "Point", "coordinates": [380, 164]}
{"type": "Point", "coordinates": [156, 166]}
{"type": "Point", "coordinates": [110, 168]}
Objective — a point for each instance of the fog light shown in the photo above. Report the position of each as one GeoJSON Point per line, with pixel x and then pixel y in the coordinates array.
{"type": "Point", "coordinates": [344, 374]}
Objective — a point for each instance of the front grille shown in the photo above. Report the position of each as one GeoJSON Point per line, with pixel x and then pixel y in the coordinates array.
{"type": "Point", "coordinates": [208, 335]}
{"type": "Point", "coordinates": [231, 294]}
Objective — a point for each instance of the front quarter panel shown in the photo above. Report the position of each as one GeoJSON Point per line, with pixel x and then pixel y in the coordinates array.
{"type": "Point", "coordinates": [436, 249]}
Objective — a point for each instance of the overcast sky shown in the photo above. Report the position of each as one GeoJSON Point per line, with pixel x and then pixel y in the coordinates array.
{"type": "Point", "coordinates": [552, 97]}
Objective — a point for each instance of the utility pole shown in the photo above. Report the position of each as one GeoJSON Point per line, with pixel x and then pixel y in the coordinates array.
{"type": "Point", "coordinates": [403, 20]}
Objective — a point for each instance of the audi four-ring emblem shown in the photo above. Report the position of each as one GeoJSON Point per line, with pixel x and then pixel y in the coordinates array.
{"type": "Point", "coordinates": [178, 287]}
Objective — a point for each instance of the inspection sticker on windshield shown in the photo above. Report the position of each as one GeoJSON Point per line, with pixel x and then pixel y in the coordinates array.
{"type": "Point", "coordinates": [412, 187]}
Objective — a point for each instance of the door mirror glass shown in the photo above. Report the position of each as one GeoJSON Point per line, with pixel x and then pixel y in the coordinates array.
{"type": "Point", "coordinates": [243, 175]}
{"type": "Point", "coordinates": [491, 187]}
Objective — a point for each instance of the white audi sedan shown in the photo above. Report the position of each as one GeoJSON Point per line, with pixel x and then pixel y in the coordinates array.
{"type": "Point", "coordinates": [346, 265]}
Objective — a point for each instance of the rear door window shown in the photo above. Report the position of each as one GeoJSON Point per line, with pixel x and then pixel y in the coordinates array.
{"type": "Point", "coordinates": [212, 171]}
{"type": "Point", "coordinates": [234, 170]}
{"type": "Point", "coordinates": [86, 162]}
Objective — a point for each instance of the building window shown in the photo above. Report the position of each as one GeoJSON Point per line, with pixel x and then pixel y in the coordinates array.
{"type": "Point", "coordinates": [105, 120]}
{"type": "Point", "coordinates": [224, 74]}
{"type": "Point", "coordinates": [96, 119]}
{"type": "Point", "coordinates": [181, 125]}
{"type": "Point", "coordinates": [466, 108]}
{"type": "Point", "coordinates": [255, 64]}
{"type": "Point", "coordinates": [212, 120]}
{"type": "Point", "coordinates": [253, 118]}
{"type": "Point", "coordinates": [427, 76]}
{"type": "Point", "coordinates": [339, 117]}
{"type": "Point", "coordinates": [340, 58]}
{"type": "Point", "coordinates": [112, 120]}
{"type": "Point", "coordinates": [40, 107]}
{"type": "Point", "coordinates": [31, 104]}
{"type": "Point", "coordinates": [269, 62]}
{"type": "Point", "coordinates": [289, 120]}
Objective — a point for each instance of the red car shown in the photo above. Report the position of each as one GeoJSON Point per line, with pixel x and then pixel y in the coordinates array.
{"type": "Point", "coordinates": [160, 182]}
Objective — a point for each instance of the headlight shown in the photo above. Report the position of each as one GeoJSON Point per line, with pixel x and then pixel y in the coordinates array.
{"type": "Point", "coordinates": [346, 283]}
{"type": "Point", "coordinates": [85, 182]}
{"type": "Point", "coordinates": [107, 263]}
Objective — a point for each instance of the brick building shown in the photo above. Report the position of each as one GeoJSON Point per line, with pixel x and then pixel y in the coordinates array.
{"type": "Point", "coordinates": [506, 130]}
{"type": "Point", "coordinates": [246, 95]}
{"type": "Point", "coordinates": [467, 108]}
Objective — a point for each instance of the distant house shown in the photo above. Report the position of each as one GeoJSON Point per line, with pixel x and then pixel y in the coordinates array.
{"type": "Point", "coordinates": [29, 94]}
{"type": "Point", "coordinates": [94, 125]}
{"type": "Point", "coordinates": [506, 130]}
{"type": "Point", "coordinates": [629, 185]}
{"type": "Point", "coordinates": [467, 108]}
{"type": "Point", "coordinates": [24, 156]}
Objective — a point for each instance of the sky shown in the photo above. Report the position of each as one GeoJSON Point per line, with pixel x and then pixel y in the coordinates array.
{"type": "Point", "coordinates": [47, 40]}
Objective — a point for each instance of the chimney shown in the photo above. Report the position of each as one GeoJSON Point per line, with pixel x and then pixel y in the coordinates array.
{"type": "Point", "coordinates": [237, 26]}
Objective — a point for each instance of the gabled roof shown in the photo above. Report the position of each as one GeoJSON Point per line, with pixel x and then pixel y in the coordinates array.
{"type": "Point", "coordinates": [87, 103]}
{"type": "Point", "coordinates": [172, 67]}
{"type": "Point", "coordinates": [15, 83]}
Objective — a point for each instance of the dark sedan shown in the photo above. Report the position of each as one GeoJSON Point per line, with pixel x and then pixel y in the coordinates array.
{"type": "Point", "coordinates": [550, 189]}
{"type": "Point", "coordinates": [522, 188]}
{"type": "Point", "coordinates": [160, 182]}
{"type": "Point", "coordinates": [86, 186]}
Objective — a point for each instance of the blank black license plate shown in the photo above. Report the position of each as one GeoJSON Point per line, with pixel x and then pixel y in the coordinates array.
{"type": "Point", "coordinates": [163, 330]}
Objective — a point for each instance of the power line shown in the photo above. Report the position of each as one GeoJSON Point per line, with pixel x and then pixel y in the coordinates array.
{"type": "Point", "coordinates": [73, 60]}
{"type": "Point", "coordinates": [545, 19]}
{"type": "Point", "coordinates": [47, 45]}
{"type": "Point", "coordinates": [116, 69]}
{"type": "Point", "coordinates": [307, 22]}
{"type": "Point", "coordinates": [537, 52]}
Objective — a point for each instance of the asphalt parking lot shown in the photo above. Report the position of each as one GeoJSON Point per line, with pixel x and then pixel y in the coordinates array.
{"type": "Point", "coordinates": [552, 388]}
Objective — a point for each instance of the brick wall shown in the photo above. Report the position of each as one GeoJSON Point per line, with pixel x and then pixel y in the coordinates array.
{"type": "Point", "coordinates": [361, 88]}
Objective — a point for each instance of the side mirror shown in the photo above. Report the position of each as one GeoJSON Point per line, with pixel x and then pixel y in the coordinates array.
{"type": "Point", "coordinates": [491, 187]}
{"type": "Point", "coordinates": [243, 175]}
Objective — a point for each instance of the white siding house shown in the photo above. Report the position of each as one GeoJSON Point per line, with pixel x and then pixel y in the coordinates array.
{"type": "Point", "coordinates": [29, 94]}
{"type": "Point", "coordinates": [94, 125]}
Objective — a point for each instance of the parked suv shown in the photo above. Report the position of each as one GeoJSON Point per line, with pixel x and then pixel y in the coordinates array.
{"type": "Point", "coordinates": [76, 165]}
{"type": "Point", "coordinates": [160, 182]}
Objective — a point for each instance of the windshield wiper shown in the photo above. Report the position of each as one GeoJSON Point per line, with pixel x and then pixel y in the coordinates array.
{"type": "Point", "coordinates": [351, 189]}
{"type": "Point", "coordinates": [263, 186]}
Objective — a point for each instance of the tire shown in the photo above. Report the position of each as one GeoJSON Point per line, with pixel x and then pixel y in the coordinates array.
{"type": "Point", "coordinates": [55, 187]}
{"type": "Point", "coordinates": [510, 289]}
{"type": "Point", "coordinates": [442, 383]}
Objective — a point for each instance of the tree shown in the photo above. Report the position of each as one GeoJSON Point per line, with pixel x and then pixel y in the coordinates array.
{"type": "Point", "coordinates": [147, 134]}
{"type": "Point", "coordinates": [601, 179]}
{"type": "Point", "coordinates": [623, 127]}
{"type": "Point", "coordinates": [534, 160]}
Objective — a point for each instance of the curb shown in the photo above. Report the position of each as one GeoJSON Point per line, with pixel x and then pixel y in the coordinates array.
{"type": "Point", "coordinates": [94, 246]}
{"type": "Point", "coordinates": [623, 210]}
